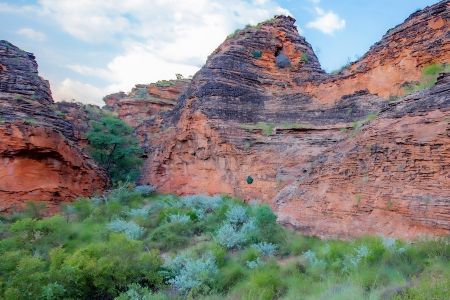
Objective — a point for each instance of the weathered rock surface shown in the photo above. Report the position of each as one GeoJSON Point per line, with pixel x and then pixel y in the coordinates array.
{"type": "Point", "coordinates": [392, 178]}
{"type": "Point", "coordinates": [80, 116]}
{"type": "Point", "coordinates": [41, 158]}
{"type": "Point", "coordinates": [146, 101]}
{"type": "Point", "coordinates": [329, 153]}
{"type": "Point", "coordinates": [19, 75]}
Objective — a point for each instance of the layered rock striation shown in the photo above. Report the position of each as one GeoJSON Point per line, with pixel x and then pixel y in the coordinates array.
{"type": "Point", "coordinates": [330, 153]}
{"type": "Point", "coordinates": [145, 100]}
{"type": "Point", "coordinates": [41, 158]}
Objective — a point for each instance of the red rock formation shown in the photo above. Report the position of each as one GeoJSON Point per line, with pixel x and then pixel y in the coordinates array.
{"type": "Point", "coordinates": [40, 154]}
{"type": "Point", "coordinates": [392, 178]}
{"type": "Point", "coordinates": [398, 58]}
{"type": "Point", "coordinates": [145, 101]}
{"type": "Point", "coordinates": [262, 107]}
{"type": "Point", "coordinates": [80, 115]}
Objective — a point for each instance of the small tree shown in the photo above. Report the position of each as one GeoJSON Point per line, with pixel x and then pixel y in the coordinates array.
{"type": "Point", "coordinates": [113, 146]}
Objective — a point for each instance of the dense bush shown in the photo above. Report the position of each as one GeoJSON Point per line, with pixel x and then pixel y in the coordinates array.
{"type": "Point", "coordinates": [113, 146]}
{"type": "Point", "coordinates": [212, 247]}
{"type": "Point", "coordinates": [187, 273]}
{"type": "Point", "coordinates": [131, 230]}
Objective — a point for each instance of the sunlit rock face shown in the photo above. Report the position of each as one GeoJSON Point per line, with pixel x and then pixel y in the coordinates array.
{"type": "Point", "coordinates": [41, 158]}
{"type": "Point", "coordinates": [145, 100]}
{"type": "Point", "coordinates": [335, 155]}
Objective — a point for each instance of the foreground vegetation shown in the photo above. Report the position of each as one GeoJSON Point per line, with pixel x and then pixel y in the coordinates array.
{"type": "Point", "coordinates": [134, 244]}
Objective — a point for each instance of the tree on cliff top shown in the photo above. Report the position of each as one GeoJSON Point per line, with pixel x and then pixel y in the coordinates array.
{"type": "Point", "coordinates": [113, 146]}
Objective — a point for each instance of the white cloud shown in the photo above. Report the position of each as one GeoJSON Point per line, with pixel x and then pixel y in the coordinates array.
{"type": "Point", "coordinates": [327, 22]}
{"type": "Point", "coordinates": [159, 38]}
{"type": "Point", "coordinates": [90, 71]}
{"type": "Point", "coordinates": [70, 89]}
{"type": "Point", "coordinates": [32, 34]}
{"type": "Point", "coordinates": [17, 9]}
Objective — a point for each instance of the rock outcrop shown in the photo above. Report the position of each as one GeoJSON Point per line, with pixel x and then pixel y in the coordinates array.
{"type": "Point", "coordinates": [398, 58]}
{"type": "Point", "coordinates": [146, 101]}
{"type": "Point", "coordinates": [329, 153]}
{"type": "Point", "coordinates": [41, 158]}
{"type": "Point", "coordinates": [80, 115]}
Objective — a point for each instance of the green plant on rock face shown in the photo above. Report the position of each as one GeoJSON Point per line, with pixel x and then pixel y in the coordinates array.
{"type": "Point", "coordinates": [358, 199]}
{"type": "Point", "coordinates": [256, 54]}
{"type": "Point", "coordinates": [249, 26]}
{"type": "Point", "coordinates": [304, 57]}
{"type": "Point", "coordinates": [113, 146]}
{"type": "Point", "coordinates": [266, 128]}
{"type": "Point", "coordinates": [164, 83]}
{"type": "Point", "coordinates": [31, 121]}
{"type": "Point", "coordinates": [358, 124]}
{"type": "Point", "coordinates": [428, 79]}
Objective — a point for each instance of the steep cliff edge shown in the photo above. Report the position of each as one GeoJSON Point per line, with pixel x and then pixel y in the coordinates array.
{"type": "Point", "coordinates": [422, 39]}
{"type": "Point", "coordinates": [330, 154]}
{"type": "Point", "coordinates": [40, 154]}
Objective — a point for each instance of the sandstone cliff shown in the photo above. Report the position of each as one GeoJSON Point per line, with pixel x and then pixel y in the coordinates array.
{"type": "Point", "coordinates": [145, 101]}
{"type": "Point", "coordinates": [40, 154]}
{"type": "Point", "coordinates": [329, 153]}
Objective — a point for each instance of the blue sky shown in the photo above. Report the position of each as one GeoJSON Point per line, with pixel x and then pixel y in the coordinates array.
{"type": "Point", "coordinates": [89, 48]}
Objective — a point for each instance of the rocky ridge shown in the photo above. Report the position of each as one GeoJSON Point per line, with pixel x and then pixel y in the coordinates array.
{"type": "Point", "coordinates": [40, 152]}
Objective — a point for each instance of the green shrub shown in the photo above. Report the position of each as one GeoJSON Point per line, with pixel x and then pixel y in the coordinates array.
{"type": "Point", "coordinates": [433, 284]}
{"type": "Point", "coordinates": [188, 273]}
{"type": "Point", "coordinates": [230, 275]}
{"type": "Point", "coordinates": [170, 236]}
{"type": "Point", "coordinates": [165, 83]}
{"type": "Point", "coordinates": [268, 230]}
{"type": "Point", "coordinates": [76, 256]}
{"type": "Point", "coordinates": [237, 230]}
{"type": "Point", "coordinates": [113, 146]}
{"type": "Point", "coordinates": [263, 283]}
{"type": "Point", "coordinates": [429, 77]}
{"type": "Point", "coordinates": [82, 207]}
{"type": "Point", "coordinates": [28, 280]}
{"type": "Point", "coordinates": [131, 230]}
{"type": "Point", "coordinates": [105, 268]}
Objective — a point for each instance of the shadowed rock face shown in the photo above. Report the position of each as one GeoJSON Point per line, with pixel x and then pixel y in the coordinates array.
{"type": "Point", "coordinates": [19, 75]}
{"type": "Point", "coordinates": [329, 153]}
{"type": "Point", "coordinates": [40, 153]}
